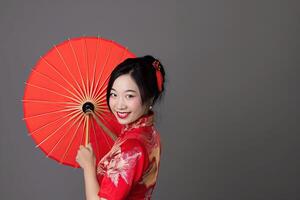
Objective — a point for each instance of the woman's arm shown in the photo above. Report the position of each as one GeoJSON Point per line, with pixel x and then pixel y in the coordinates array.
{"type": "Point", "coordinates": [91, 183]}
{"type": "Point", "coordinates": [86, 159]}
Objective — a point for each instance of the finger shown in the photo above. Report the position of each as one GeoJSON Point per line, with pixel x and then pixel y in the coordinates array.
{"type": "Point", "coordinates": [89, 146]}
{"type": "Point", "coordinates": [80, 147]}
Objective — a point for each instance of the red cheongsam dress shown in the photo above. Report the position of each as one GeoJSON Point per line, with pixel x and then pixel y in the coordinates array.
{"type": "Point", "coordinates": [129, 170]}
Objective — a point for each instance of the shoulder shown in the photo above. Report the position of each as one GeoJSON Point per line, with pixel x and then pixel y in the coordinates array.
{"type": "Point", "coordinates": [132, 145]}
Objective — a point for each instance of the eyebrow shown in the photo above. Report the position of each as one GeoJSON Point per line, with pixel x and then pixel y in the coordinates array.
{"type": "Point", "coordinates": [125, 90]}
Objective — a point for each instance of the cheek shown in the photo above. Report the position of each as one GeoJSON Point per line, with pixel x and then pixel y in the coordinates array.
{"type": "Point", "coordinates": [111, 102]}
{"type": "Point", "coordinates": [136, 104]}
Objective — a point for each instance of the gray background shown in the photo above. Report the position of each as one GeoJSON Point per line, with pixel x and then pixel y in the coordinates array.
{"type": "Point", "coordinates": [229, 119]}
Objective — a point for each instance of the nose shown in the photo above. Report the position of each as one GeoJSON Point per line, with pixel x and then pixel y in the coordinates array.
{"type": "Point", "coordinates": [121, 105]}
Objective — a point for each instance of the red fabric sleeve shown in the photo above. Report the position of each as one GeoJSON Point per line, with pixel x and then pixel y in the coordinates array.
{"type": "Point", "coordinates": [125, 169]}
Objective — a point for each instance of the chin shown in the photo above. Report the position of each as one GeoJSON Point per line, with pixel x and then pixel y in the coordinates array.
{"type": "Point", "coordinates": [121, 121]}
{"type": "Point", "coordinates": [125, 121]}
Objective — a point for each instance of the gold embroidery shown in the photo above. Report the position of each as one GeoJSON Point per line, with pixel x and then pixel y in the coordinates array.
{"type": "Point", "coordinates": [142, 122]}
{"type": "Point", "coordinates": [149, 178]}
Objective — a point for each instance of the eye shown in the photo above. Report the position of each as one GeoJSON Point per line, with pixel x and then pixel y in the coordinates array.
{"type": "Point", "coordinates": [112, 95]}
{"type": "Point", "coordinates": [129, 96]}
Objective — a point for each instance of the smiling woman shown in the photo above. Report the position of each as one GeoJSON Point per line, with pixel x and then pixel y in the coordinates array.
{"type": "Point", "coordinates": [130, 169]}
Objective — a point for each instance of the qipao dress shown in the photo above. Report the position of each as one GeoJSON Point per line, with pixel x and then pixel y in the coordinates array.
{"type": "Point", "coordinates": [129, 170]}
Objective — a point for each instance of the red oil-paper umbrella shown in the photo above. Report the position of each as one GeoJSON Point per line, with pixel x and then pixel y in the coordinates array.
{"type": "Point", "coordinates": [65, 98]}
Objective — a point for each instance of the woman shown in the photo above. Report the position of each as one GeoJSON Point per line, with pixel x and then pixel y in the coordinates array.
{"type": "Point", "coordinates": [129, 170]}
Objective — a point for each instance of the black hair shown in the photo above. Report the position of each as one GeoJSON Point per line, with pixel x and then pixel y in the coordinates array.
{"type": "Point", "coordinates": [143, 72]}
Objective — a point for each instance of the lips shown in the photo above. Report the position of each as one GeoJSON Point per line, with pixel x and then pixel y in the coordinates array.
{"type": "Point", "coordinates": [123, 115]}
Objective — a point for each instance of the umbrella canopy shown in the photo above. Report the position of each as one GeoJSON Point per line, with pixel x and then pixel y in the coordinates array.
{"type": "Point", "coordinates": [65, 98]}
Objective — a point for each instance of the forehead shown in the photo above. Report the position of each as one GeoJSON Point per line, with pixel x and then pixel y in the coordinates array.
{"type": "Point", "coordinates": [124, 83]}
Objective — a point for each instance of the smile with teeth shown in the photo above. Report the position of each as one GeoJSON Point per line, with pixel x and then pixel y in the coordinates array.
{"type": "Point", "coordinates": [122, 115]}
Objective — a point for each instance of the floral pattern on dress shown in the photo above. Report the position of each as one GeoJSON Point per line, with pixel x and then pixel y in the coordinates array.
{"type": "Point", "coordinates": [119, 164]}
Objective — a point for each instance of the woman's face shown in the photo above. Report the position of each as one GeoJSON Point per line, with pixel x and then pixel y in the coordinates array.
{"type": "Point", "coordinates": [125, 100]}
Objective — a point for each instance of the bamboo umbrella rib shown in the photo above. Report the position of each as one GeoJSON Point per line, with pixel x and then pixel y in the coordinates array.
{"type": "Point", "coordinates": [101, 97]}
{"type": "Point", "coordinates": [52, 67]}
{"type": "Point", "coordinates": [51, 134]}
{"type": "Point", "coordinates": [81, 142]}
{"type": "Point", "coordinates": [64, 135]}
{"type": "Point", "coordinates": [102, 93]}
{"type": "Point", "coordinates": [74, 134]}
{"type": "Point", "coordinates": [94, 133]}
{"type": "Point", "coordinates": [54, 121]}
{"type": "Point", "coordinates": [63, 60]}
{"type": "Point", "coordinates": [81, 138]}
{"type": "Point", "coordinates": [48, 113]}
{"type": "Point", "coordinates": [108, 116]}
{"type": "Point", "coordinates": [105, 63]}
{"type": "Point", "coordinates": [105, 136]}
{"type": "Point", "coordinates": [73, 137]}
{"type": "Point", "coordinates": [95, 64]}
{"type": "Point", "coordinates": [102, 111]}
{"type": "Point", "coordinates": [101, 102]}
{"type": "Point", "coordinates": [103, 84]}
{"type": "Point", "coordinates": [43, 88]}
{"type": "Point", "coordinates": [48, 102]}
{"type": "Point", "coordinates": [105, 109]}
{"type": "Point", "coordinates": [55, 82]}
{"type": "Point", "coordinates": [111, 135]}
{"type": "Point", "coordinates": [102, 107]}
{"type": "Point", "coordinates": [85, 55]}
{"type": "Point", "coordinates": [78, 67]}
{"type": "Point", "coordinates": [106, 79]}
{"type": "Point", "coordinates": [75, 107]}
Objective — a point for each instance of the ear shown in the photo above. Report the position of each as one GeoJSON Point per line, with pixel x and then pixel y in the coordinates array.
{"type": "Point", "coordinates": [149, 104]}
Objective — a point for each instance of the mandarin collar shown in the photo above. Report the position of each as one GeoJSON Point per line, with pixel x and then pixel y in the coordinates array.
{"type": "Point", "coordinates": [143, 121]}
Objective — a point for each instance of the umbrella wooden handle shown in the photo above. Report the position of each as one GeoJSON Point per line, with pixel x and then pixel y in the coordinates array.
{"type": "Point", "coordinates": [87, 130]}
{"type": "Point", "coordinates": [112, 135]}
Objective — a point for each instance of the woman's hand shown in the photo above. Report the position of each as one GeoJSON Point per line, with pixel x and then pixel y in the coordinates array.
{"type": "Point", "coordinates": [87, 161]}
{"type": "Point", "coordinates": [85, 157]}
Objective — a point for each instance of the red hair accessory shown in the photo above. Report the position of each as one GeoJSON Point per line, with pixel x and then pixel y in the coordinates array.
{"type": "Point", "coordinates": [159, 77]}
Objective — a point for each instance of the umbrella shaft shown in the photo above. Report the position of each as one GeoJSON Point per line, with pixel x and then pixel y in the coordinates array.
{"type": "Point", "coordinates": [87, 130]}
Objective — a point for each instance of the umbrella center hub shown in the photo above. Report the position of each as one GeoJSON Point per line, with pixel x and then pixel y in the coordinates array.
{"type": "Point", "coordinates": [88, 106]}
